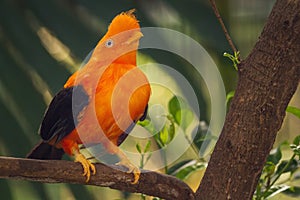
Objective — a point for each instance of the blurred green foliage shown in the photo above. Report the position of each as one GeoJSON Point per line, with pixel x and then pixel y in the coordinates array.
{"type": "Point", "coordinates": [280, 175]}
{"type": "Point", "coordinates": [43, 42]}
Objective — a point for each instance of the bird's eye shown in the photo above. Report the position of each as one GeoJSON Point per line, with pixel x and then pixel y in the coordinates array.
{"type": "Point", "coordinates": [109, 43]}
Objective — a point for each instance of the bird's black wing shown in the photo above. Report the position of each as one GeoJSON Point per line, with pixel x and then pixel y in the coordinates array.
{"type": "Point", "coordinates": [124, 135]}
{"type": "Point", "coordinates": [62, 115]}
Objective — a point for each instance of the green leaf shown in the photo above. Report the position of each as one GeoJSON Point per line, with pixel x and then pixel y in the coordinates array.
{"type": "Point", "coordinates": [297, 140]}
{"type": "Point", "coordinates": [269, 168]}
{"type": "Point", "coordinates": [185, 172]}
{"type": "Point", "coordinates": [291, 168]}
{"type": "Point", "coordinates": [175, 105]}
{"type": "Point", "coordinates": [295, 111]}
{"type": "Point", "coordinates": [229, 96]}
{"type": "Point", "coordinates": [164, 135]}
{"type": "Point", "coordinates": [296, 149]}
{"type": "Point", "coordinates": [234, 58]}
{"type": "Point", "coordinates": [147, 147]}
{"type": "Point", "coordinates": [147, 124]}
{"type": "Point", "coordinates": [184, 118]}
{"type": "Point", "coordinates": [138, 147]}
{"type": "Point", "coordinates": [203, 137]}
{"type": "Point", "coordinates": [180, 111]}
{"type": "Point", "coordinates": [177, 166]}
{"type": "Point", "coordinates": [172, 130]}
{"type": "Point", "coordinates": [158, 140]}
{"type": "Point", "coordinates": [144, 123]}
{"type": "Point", "coordinates": [275, 155]}
{"type": "Point", "coordinates": [156, 198]}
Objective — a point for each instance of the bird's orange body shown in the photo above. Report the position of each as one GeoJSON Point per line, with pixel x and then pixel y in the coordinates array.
{"type": "Point", "coordinates": [112, 96]}
{"type": "Point", "coordinates": [109, 123]}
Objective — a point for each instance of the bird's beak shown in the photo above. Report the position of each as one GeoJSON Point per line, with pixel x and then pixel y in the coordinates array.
{"type": "Point", "coordinates": [135, 37]}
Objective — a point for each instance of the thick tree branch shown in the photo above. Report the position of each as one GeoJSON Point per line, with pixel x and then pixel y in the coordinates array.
{"type": "Point", "coordinates": [58, 171]}
{"type": "Point", "coordinates": [268, 78]}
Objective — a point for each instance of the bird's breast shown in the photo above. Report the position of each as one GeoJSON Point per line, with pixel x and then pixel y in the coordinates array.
{"type": "Point", "coordinates": [120, 98]}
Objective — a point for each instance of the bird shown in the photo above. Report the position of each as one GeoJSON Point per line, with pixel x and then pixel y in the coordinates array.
{"type": "Point", "coordinates": [100, 103]}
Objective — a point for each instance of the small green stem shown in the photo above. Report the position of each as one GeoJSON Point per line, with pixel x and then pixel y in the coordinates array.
{"type": "Point", "coordinates": [280, 173]}
{"type": "Point", "coordinates": [142, 161]}
{"type": "Point", "coordinates": [195, 149]}
{"type": "Point", "coordinates": [165, 160]}
{"type": "Point", "coordinates": [283, 169]}
{"type": "Point", "coordinates": [258, 190]}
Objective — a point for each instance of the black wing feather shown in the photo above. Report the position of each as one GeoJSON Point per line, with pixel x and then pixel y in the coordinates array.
{"type": "Point", "coordinates": [124, 135]}
{"type": "Point", "coordinates": [61, 116]}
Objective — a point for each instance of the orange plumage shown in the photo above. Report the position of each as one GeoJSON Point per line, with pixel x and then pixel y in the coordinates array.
{"type": "Point", "coordinates": [100, 102]}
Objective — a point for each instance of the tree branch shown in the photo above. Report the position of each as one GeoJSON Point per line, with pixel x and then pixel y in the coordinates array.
{"type": "Point", "coordinates": [268, 78]}
{"type": "Point", "coordinates": [228, 38]}
{"type": "Point", "coordinates": [59, 171]}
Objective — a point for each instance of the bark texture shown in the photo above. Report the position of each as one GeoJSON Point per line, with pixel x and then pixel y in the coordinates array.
{"type": "Point", "coordinates": [268, 78]}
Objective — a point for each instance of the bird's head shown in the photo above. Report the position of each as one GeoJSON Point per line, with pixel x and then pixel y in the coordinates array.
{"type": "Point", "coordinates": [121, 41]}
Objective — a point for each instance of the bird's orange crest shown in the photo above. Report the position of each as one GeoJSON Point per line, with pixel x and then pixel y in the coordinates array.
{"type": "Point", "coordinates": [123, 22]}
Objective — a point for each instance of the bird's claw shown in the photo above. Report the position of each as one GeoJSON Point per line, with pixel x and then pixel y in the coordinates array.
{"type": "Point", "coordinates": [131, 169]}
{"type": "Point", "coordinates": [88, 167]}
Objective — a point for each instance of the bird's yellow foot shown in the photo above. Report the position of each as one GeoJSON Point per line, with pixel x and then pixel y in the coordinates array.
{"type": "Point", "coordinates": [87, 166]}
{"type": "Point", "coordinates": [131, 168]}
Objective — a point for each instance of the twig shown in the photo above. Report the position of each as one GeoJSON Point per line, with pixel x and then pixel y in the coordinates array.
{"type": "Point", "coordinates": [59, 171]}
{"type": "Point", "coordinates": [216, 11]}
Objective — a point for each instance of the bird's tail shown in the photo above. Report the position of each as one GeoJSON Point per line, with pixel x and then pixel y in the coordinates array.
{"type": "Point", "coordinates": [45, 151]}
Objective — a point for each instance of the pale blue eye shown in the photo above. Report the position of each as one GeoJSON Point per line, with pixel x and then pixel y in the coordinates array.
{"type": "Point", "coordinates": [109, 43]}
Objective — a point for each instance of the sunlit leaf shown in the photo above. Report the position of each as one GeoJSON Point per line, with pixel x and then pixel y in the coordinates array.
{"type": "Point", "coordinates": [164, 135]}
{"type": "Point", "coordinates": [144, 123]}
{"type": "Point", "coordinates": [185, 172]}
{"type": "Point", "coordinates": [295, 111]}
{"type": "Point", "coordinates": [234, 58]}
{"type": "Point", "coordinates": [184, 118]}
{"type": "Point", "coordinates": [138, 147]}
{"type": "Point", "coordinates": [229, 96]}
{"type": "Point", "coordinates": [177, 166]}
{"type": "Point", "coordinates": [269, 168]}
{"type": "Point", "coordinates": [147, 147]}
{"type": "Point", "coordinates": [175, 105]}
{"type": "Point", "coordinates": [147, 124]}
{"type": "Point", "coordinates": [171, 128]}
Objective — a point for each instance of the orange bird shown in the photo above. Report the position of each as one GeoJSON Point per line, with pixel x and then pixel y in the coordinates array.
{"type": "Point", "coordinates": [101, 102]}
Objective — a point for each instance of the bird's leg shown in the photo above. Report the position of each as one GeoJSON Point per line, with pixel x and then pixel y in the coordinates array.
{"type": "Point", "coordinates": [88, 167]}
{"type": "Point", "coordinates": [124, 161]}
